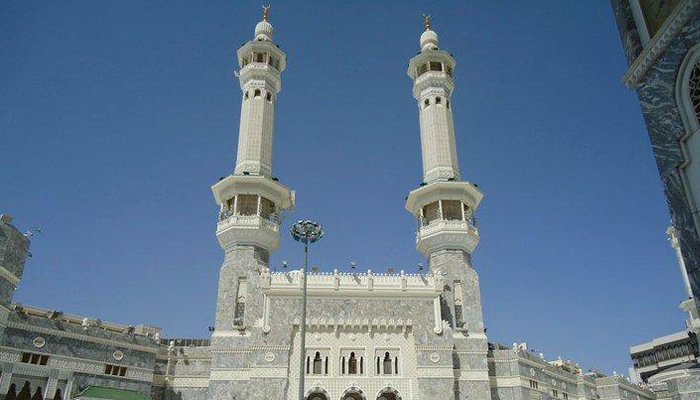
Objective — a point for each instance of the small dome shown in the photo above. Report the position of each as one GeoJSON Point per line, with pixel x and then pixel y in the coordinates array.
{"type": "Point", "coordinates": [263, 31]}
{"type": "Point", "coordinates": [428, 41]}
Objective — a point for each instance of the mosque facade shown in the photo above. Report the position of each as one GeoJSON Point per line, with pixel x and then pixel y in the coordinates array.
{"type": "Point", "coordinates": [369, 336]}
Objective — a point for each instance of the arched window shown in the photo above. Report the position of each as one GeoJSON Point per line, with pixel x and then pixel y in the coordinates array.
{"type": "Point", "coordinates": [12, 393]}
{"type": "Point", "coordinates": [377, 371]}
{"type": "Point", "coordinates": [25, 393]}
{"type": "Point", "coordinates": [387, 364]}
{"type": "Point", "coordinates": [37, 394]}
{"type": "Point", "coordinates": [352, 364]}
{"type": "Point", "coordinates": [447, 103]}
{"type": "Point", "coordinates": [694, 90]}
{"type": "Point", "coordinates": [57, 396]}
{"type": "Point", "coordinates": [688, 100]}
{"type": "Point", "coordinates": [257, 93]}
{"type": "Point", "coordinates": [318, 362]}
{"type": "Point", "coordinates": [326, 366]}
{"type": "Point", "coordinates": [438, 100]}
{"type": "Point", "coordinates": [426, 103]}
{"type": "Point", "coordinates": [245, 96]}
{"type": "Point", "coordinates": [269, 96]}
{"type": "Point", "coordinates": [396, 365]}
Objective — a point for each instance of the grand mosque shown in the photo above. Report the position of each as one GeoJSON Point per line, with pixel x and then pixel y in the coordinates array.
{"type": "Point", "coordinates": [369, 336]}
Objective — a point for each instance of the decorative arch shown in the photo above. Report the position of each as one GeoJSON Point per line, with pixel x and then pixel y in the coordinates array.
{"type": "Point", "coordinates": [317, 393]}
{"type": "Point", "coordinates": [26, 392]}
{"type": "Point", "coordinates": [388, 393]}
{"type": "Point", "coordinates": [688, 102]}
{"type": "Point", "coordinates": [353, 393]}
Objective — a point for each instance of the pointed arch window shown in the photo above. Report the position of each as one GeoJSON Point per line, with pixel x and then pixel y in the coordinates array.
{"type": "Point", "coordinates": [426, 103]}
{"type": "Point", "coordinates": [694, 90]}
{"type": "Point", "coordinates": [25, 393]}
{"type": "Point", "coordinates": [352, 364]}
{"type": "Point", "coordinates": [12, 393]}
{"type": "Point", "coordinates": [38, 394]}
{"type": "Point", "coordinates": [318, 363]}
{"type": "Point", "coordinates": [257, 93]}
{"type": "Point", "coordinates": [245, 96]}
{"type": "Point", "coordinates": [438, 100]}
{"type": "Point", "coordinates": [387, 364]}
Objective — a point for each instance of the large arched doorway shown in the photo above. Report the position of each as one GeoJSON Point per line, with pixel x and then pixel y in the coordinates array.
{"type": "Point", "coordinates": [353, 393]}
{"type": "Point", "coordinates": [388, 393]}
{"type": "Point", "coordinates": [317, 393]}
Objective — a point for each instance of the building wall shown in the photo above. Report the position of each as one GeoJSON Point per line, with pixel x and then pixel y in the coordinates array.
{"type": "Point", "coordinates": [656, 93]}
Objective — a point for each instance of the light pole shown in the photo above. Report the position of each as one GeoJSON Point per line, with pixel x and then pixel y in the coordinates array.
{"type": "Point", "coordinates": [305, 232]}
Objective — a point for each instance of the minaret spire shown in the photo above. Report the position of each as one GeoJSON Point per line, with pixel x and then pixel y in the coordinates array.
{"type": "Point", "coordinates": [251, 190]}
{"type": "Point", "coordinates": [442, 197]}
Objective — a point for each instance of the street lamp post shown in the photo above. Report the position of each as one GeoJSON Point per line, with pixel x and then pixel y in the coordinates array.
{"type": "Point", "coordinates": [305, 232]}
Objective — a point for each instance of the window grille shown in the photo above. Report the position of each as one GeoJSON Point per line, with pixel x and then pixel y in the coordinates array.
{"type": "Point", "coordinates": [247, 204]}
{"type": "Point", "coordinates": [34, 358]}
{"type": "Point", "coordinates": [115, 370]}
{"type": "Point", "coordinates": [431, 212]}
{"type": "Point", "coordinates": [452, 210]}
{"type": "Point", "coordinates": [694, 90]}
{"type": "Point", "coordinates": [239, 312]}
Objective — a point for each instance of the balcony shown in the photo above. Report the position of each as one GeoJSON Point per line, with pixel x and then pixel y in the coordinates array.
{"type": "Point", "coordinates": [247, 230]}
{"type": "Point", "coordinates": [447, 234]}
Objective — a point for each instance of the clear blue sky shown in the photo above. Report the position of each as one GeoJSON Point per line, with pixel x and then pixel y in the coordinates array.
{"type": "Point", "coordinates": [118, 116]}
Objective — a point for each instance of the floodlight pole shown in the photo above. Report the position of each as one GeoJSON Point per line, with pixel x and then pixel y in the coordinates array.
{"type": "Point", "coordinates": [302, 352]}
{"type": "Point", "coordinates": [305, 232]}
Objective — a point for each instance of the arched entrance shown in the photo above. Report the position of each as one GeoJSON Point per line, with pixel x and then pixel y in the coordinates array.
{"type": "Point", "coordinates": [388, 393]}
{"type": "Point", "coordinates": [353, 393]}
{"type": "Point", "coordinates": [317, 393]}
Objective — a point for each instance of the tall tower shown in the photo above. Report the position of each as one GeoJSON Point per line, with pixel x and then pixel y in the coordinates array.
{"type": "Point", "coordinates": [444, 206]}
{"type": "Point", "coordinates": [250, 202]}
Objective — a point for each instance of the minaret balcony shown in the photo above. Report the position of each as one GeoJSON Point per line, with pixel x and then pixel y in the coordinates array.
{"type": "Point", "coordinates": [445, 211]}
{"type": "Point", "coordinates": [248, 230]}
{"type": "Point", "coordinates": [447, 234]}
{"type": "Point", "coordinates": [250, 210]}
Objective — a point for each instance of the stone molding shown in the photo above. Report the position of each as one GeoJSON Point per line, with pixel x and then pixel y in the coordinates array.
{"type": "Point", "coordinates": [471, 374]}
{"type": "Point", "coordinates": [506, 381]}
{"type": "Point", "coordinates": [188, 382]}
{"type": "Point", "coordinates": [436, 348]}
{"type": "Point", "coordinates": [9, 276]}
{"type": "Point", "coordinates": [269, 372]}
{"type": "Point", "coordinates": [435, 372]}
{"type": "Point", "coordinates": [352, 285]}
{"type": "Point", "coordinates": [8, 356]}
{"type": "Point", "coordinates": [658, 44]}
{"type": "Point", "coordinates": [67, 363]}
{"type": "Point", "coordinates": [230, 374]}
{"type": "Point", "coordinates": [73, 335]}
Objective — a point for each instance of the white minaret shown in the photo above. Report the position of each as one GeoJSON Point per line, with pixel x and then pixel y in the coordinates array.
{"type": "Point", "coordinates": [262, 63]}
{"type": "Point", "coordinates": [443, 204]}
{"type": "Point", "coordinates": [251, 199]}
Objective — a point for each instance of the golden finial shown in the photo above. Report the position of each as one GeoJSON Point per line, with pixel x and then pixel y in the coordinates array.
{"type": "Point", "coordinates": [266, 11]}
{"type": "Point", "coordinates": [427, 21]}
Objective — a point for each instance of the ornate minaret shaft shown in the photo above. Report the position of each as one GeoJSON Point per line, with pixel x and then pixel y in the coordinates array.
{"type": "Point", "coordinates": [250, 199]}
{"type": "Point", "coordinates": [444, 206]}
{"type": "Point", "coordinates": [261, 63]}
{"type": "Point", "coordinates": [432, 72]}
